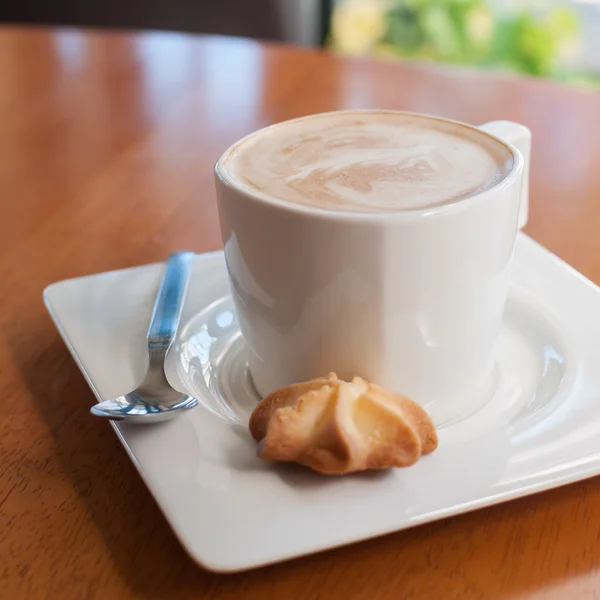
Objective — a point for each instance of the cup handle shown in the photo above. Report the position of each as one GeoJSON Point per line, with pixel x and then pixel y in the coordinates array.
{"type": "Point", "coordinates": [518, 136]}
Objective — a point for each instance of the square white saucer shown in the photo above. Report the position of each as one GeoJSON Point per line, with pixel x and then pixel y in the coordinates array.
{"type": "Point", "coordinates": [232, 512]}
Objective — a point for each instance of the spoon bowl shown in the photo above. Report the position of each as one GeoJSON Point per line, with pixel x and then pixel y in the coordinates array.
{"type": "Point", "coordinates": [135, 408]}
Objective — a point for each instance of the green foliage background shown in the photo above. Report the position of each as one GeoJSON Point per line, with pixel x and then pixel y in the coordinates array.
{"type": "Point", "coordinates": [469, 32]}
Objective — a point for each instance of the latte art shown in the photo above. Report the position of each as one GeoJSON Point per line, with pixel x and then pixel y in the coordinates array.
{"type": "Point", "coordinates": [369, 161]}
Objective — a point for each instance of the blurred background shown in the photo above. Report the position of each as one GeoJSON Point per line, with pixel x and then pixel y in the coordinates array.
{"type": "Point", "coordinates": [558, 39]}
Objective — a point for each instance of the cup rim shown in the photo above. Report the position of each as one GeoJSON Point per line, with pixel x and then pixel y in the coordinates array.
{"type": "Point", "coordinates": [461, 204]}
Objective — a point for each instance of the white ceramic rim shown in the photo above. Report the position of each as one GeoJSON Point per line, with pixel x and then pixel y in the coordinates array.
{"type": "Point", "coordinates": [348, 216]}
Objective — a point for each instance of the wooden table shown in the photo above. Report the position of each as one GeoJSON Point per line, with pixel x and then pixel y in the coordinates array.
{"type": "Point", "coordinates": [107, 142]}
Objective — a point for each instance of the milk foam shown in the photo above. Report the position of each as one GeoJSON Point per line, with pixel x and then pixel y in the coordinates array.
{"type": "Point", "coordinates": [369, 161]}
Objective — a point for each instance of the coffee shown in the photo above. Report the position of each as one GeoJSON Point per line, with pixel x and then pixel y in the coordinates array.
{"type": "Point", "coordinates": [369, 161]}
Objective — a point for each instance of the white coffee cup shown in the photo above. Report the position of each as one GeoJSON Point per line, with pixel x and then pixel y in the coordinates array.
{"type": "Point", "coordinates": [411, 300]}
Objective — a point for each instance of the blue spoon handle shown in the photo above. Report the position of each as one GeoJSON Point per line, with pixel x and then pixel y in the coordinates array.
{"type": "Point", "coordinates": [169, 302]}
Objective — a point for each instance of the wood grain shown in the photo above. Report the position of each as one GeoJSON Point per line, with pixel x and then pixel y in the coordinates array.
{"type": "Point", "coordinates": [107, 143]}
